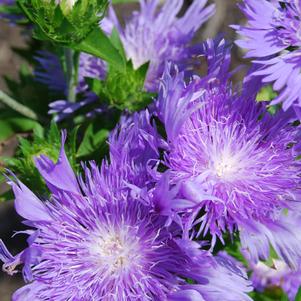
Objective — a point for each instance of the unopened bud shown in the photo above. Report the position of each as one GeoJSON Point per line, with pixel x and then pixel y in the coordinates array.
{"type": "Point", "coordinates": [64, 21]}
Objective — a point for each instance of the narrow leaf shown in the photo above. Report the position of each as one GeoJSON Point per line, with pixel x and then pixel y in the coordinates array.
{"type": "Point", "coordinates": [98, 44]}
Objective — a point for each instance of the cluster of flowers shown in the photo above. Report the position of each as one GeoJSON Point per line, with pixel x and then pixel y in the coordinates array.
{"type": "Point", "coordinates": [168, 38]}
{"type": "Point", "coordinates": [204, 161]}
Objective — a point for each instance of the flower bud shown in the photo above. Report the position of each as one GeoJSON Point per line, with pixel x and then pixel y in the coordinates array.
{"type": "Point", "coordinates": [64, 21]}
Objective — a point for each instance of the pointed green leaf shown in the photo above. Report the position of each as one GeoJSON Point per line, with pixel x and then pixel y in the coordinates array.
{"type": "Point", "coordinates": [93, 139]}
{"type": "Point", "coordinates": [95, 85]}
{"type": "Point", "coordinates": [12, 125]}
{"type": "Point", "coordinates": [98, 44]}
{"type": "Point", "coordinates": [116, 41]}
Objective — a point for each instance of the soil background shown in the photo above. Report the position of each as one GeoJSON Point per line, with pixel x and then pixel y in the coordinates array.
{"type": "Point", "coordinates": [13, 37]}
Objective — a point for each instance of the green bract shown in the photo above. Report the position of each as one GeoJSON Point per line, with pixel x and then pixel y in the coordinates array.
{"type": "Point", "coordinates": [64, 21]}
{"type": "Point", "coordinates": [41, 143]}
{"type": "Point", "coordinates": [123, 90]}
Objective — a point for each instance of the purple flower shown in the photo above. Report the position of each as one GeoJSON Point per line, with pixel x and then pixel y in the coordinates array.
{"type": "Point", "coordinates": [91, 67]}
{"type": "Point", "coordinates": [229, 160]}
{"type": "Point", "coordinates": [149, 36]}
{"type": "Point", "coordinates": [65, 108]}
{"type": "Point", "coordinates": [110, 247]}
{"type": "Point", "coordinates": [50, 72]}
{"type": "Point", "coordinates": [272, 37]}
{"type": "Point", "coordinates": [134, 144]}
{"type": "Point", "coordinates": [279, 275]}
{"type": "Point", "coordinates": [157, 36]}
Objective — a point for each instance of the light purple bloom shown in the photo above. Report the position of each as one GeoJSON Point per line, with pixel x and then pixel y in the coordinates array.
{"type": "Point", "coordinates": [279, 275]}
{"type": "Point", "coordinates": [65, 108]}
{"type": "Point", "coordinates": [230, 160]}
{"type": "Point", "coordinates": [134, 144]}
{"type": "Point", "coordinates": [90, 67]}
{"type": "Point", "coordinates": [159, 35]}
{"type": "Point", "coordinates": [50, 72]}
{"type": "Point", "coordinates": [149, 36]}
{"type": "Point", "coordinates": [110, 247]}
{"type": "Point", "coordinates": [272, 37]}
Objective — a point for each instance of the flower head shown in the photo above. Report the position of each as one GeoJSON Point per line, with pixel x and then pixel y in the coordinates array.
{"type": "Point", "coordinates": [167, 38]}
{"type": "Point", "coordinates": [279, 275]}
{"type": "Point", "coordinates": [156, 36]}
{"type": "Point", "coordinates": [273, 37]}
{"type": "Point", "coordinates": [109, 247]}
{"type": "Point", "coordinates": [230, 159]}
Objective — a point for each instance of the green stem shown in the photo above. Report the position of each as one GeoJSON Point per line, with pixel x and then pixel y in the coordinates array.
{"type": "Point", "coordinates": [18, 107]}
{"type": "Point", "coordinates": [71, 59]}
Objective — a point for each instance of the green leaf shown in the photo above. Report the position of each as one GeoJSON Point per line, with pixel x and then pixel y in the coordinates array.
{"type": "Point", "coordinates": [284, 297]}
{"type": "Point", "coordinates": [116, 41]}
{"type": "Point", "coordinates": [233, 248]}
{"type": "Point", "coordinates": [273, 109]}
{"type": "Point", "coordinates": [98, 44]}
{"type": "Point", "coordinates": [270, 294]}
{"type": "Point", "coordinates": [142, 71]}
{"type": "Point", "coordinates": [47, 143]}
{"type": "Point", "coordinates": [95, 85]}
{"type": "Point", "coordinates": [93, 140]}
{"type": "Point", "coordinates": [30, 93]}
{"type": "Point", "coordinates": [6, 196]}
{"type": "Point", "coordinates": [266, 94]}
{"type": "Point", "coordinates": [12, 125]}
{"type": "Point", "coordinates": [123, 90]}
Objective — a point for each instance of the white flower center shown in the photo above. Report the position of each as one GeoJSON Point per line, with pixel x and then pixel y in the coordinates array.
{"type": "Point", "coordinates": [115, 250]}
{"type": "Point", "coordinates": [229, 165]}
{"type": "Point", "coordinates": [225, 166]}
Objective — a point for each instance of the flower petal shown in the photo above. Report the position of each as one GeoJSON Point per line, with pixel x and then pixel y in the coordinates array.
{"type": "Point", "coordinates": [28, 205]}
{"type": "Point", "coordinates": [59, 176]}
{"type": "Point", "coordinates": [186, 295]}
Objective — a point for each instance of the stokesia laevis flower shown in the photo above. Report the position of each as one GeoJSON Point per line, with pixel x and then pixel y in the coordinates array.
{"type": "Point", "coordinates": [278, 275]}
{"type": "Point", "coordinates": [157, 35]}
{"type": "Point", "coordinates": [134, 144]}
{"type": "Point", "coordinates": [230, 160]}
{"type": "Point", "coordinates": [151, 35]}
{"type": "Point", "coordinates": [111, 248]}
{"type": "Point", "coordinates": [49, 71]}
{"type": "Point", "coordinates": [272, 37]}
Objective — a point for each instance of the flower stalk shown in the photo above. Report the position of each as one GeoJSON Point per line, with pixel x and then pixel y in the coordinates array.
{"type": "Point", "coordinates": [71, 59]}
{"type": "Point", "coordinates": [18, 107]}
